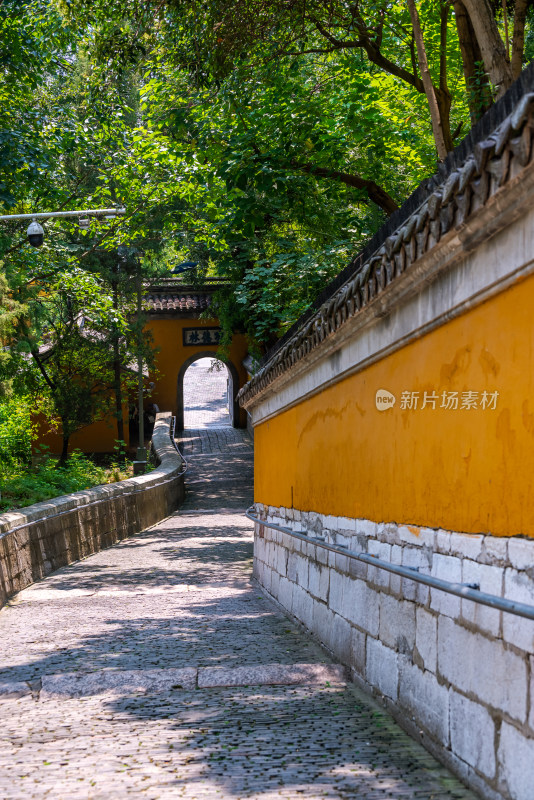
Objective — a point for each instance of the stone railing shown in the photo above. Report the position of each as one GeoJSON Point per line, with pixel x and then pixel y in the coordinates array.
{"type": "Point", "coordinates": [39, 539]}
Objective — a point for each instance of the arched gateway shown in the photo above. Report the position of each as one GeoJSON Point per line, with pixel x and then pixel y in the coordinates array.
{"type": "Point", "coordinates": [182, 336]}
{"type": "Point", "coordinates": [233, 405]}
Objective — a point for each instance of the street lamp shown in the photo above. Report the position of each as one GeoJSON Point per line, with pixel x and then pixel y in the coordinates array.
{"type": "Point", "coordinates": [35, 231]}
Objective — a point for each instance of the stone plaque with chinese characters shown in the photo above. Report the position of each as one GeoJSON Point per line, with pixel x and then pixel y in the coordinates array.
{"type": "Point", "coordinates": [193, 337]}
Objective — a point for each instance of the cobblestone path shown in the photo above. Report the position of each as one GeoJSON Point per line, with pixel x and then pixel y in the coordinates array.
{"type": "Point", "coordinates": [156, 669]}
{"type": "Point", "coordinates": [205, 402]}
{"type": "Point", "coordinates": [223, 440]}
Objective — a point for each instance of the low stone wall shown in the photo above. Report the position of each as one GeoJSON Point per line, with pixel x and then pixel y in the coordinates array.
{"type": "Point", "coordinates": [41, 538]}
{"type": "Point", "coordinates": [457, 675]}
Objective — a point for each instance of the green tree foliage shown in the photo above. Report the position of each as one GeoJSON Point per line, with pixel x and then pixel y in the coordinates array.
{"type": "Point", "coordinates": [300, 125]}
{"type": "Point", "coordinates": [68, 130]}
{"type": "Point", "coordinates": [68, 363]}
{"type": "Point", "coordinates": [15, 432]}
{"type": "Point", "coordinates": [34, 131]}
{"type": "Point", "coordinates": [263, 141]}
{"type": "Point", "coordinates": [294, 154]}
{"type": "Point", "coordinates": [11, 312]}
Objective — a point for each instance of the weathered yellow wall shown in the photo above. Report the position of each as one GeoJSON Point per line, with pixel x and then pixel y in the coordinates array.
{"type": "Point", "coordinates": [167, 336]}
{"type": "Point", "coordinates": [463, 470]}
{"type": "Point", "coordinates": [100, 437]}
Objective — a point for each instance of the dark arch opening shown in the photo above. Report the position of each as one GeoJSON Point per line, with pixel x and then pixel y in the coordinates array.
{"type": "Point", "coordinates": [233, 405]}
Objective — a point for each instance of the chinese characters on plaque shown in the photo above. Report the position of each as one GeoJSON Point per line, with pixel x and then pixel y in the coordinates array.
{"type": "Point", "coordinates": [195, 336]}
{"type": "Point", "coordinates": [449, 401]}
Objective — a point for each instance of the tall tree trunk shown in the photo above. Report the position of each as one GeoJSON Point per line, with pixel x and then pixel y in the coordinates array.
{"type": "Point", "coordinates": [443, 99]}
{"type": "Point", "coordinates": [443, 95]}
{"type": "Point", "coordinates": [491, 45]}
{"type": "Point", "coordinates": [506, 34]}
{"type": "Point", "coordinates": [117, 384]}
{"type": "Point", "coordinates": [518, 40]}
{"type": "Point", "coordinates": [437, 126]}
{"type": "Point", "coordinates": [65, 451]}
{"type": "Point", "coordinates": [479, 95]}
{"type": "Point", "coordinates": [117, 390]}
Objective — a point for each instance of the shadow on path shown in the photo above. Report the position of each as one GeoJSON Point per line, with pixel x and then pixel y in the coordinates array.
{"type": "Point", "coordinates": [179, 596]}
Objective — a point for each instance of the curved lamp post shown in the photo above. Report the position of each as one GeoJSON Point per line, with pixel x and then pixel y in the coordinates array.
{"type": "Point", "coordinates": [35, 231]}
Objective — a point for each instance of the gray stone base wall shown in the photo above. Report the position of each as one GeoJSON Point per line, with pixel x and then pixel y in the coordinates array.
{"type": "Point", "coordinates": [458, 674]}
{"type": "Point", "coordinates": [41, 538]}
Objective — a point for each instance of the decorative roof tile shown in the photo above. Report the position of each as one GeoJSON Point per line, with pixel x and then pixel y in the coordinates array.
{"type": "Point", "coordinates": [174, 298]}
{"type": "Point", "coordinates": [160, 302]}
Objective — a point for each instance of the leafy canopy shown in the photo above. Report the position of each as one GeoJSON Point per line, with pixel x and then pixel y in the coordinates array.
{"type": "Point", "coordinates": [265, 142]}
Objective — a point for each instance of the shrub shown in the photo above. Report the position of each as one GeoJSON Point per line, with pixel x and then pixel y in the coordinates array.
{"type": "Point", "coordinates": [23, 485]}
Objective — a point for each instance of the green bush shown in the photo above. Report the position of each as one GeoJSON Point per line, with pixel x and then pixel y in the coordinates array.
{"type": "Point", "coordinates": [22, 485]}
{"type": "Point", "coordinates": [15, 432]}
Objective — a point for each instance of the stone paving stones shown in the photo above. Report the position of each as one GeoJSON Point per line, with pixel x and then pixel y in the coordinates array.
{"type": "Point", "coordinates": [117, 681]}
{"type": "Point", "coordinates": [271, 674]}
{"type": "Point", "coordinates": [205, 394]}
{"type": "Point", "coordinates": [110, 673]}
{"type": "Point", "coordinates": [14, 689]}
{"type": "Point", "coordinates": [218, 477]}
{"type": "Point", "coordinates": [209, 441]}
{"type": "Point", "coordinates": [310, 742]}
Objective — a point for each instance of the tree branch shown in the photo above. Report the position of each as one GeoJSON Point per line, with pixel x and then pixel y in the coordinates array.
{"type": "Point", "coordinates": [518, 38]}
{"type": "Point", "coordinates": [377, 57]}
{"type": "Point", "coordinates": [430, 92]}
{"type": "Point", "coordinates": [337, 44]}
{"type": "Point", "coordinates": [479, 96]}
{"type": "Point", "coordinates": [374, 192]}
{"type": "Point", "coordinates": [49, 383]}
{"type": "Point", "coordinates": [443, 25]}
{"type": "Point", "coordinates": [380, 29]}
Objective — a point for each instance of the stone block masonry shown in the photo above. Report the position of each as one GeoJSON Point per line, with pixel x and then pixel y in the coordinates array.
{"type": "Point", "coordinates": [458, 675]}
{"type": "Point", "coordinates": [46, 536]}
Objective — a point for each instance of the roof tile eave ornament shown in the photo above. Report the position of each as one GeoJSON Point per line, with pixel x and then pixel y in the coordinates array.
{"type": "Point", "coordinates": [457, 193]}
{"type": "Point", "coordinates": [174, 302]}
